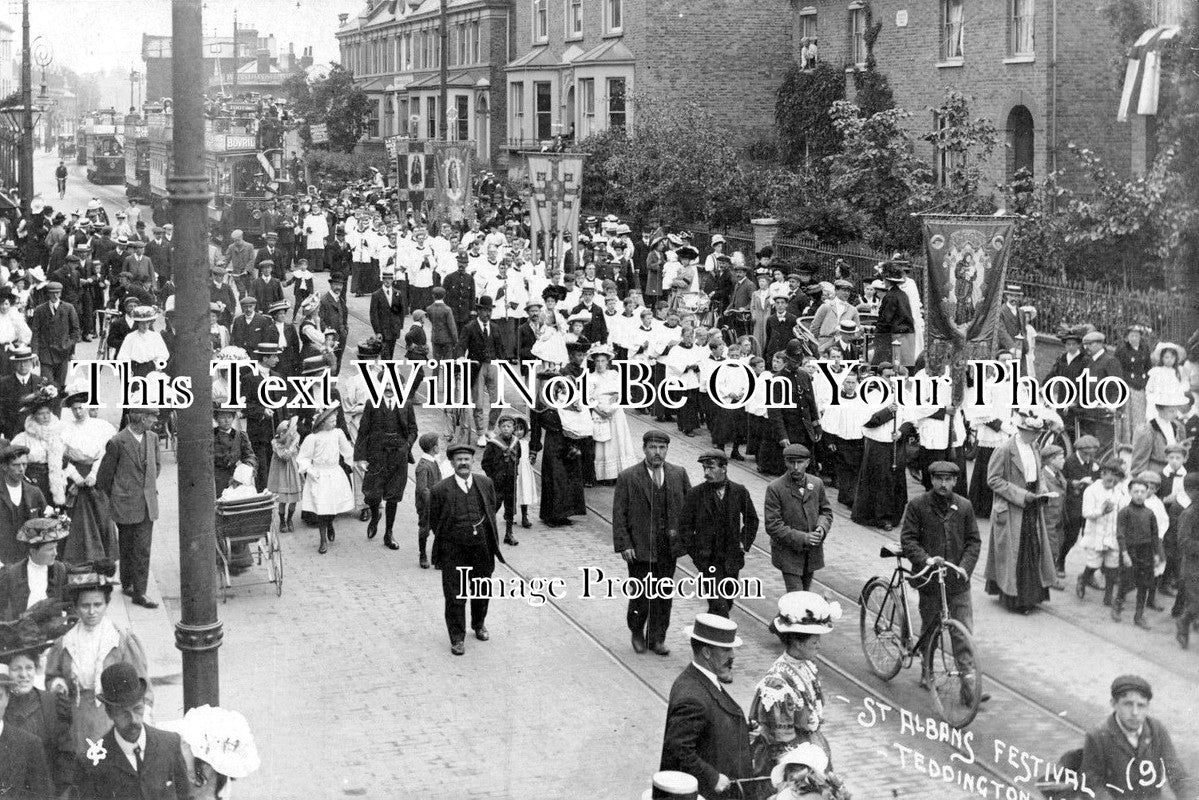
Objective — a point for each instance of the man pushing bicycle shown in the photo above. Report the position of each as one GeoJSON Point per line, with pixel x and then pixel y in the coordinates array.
{"type": "Point", "coordinates": [939, 526]}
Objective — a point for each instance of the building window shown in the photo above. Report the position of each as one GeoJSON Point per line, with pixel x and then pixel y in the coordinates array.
{"type": "Point", "coordinates": [587, 106]}
{"type": "Point", "coordinates": [613, 16]}
{"type": "Point", "coordinates": [544, 98]}
{"type": "Point", "coordinates": [372, 123]}
{"type": "Point", "coordinates": [947, 161]}
{"type": "Point", "coordinates": [574, 18]}
{"type": "Point", "coordinates": [458, 45]}
{"type": "Point", "coordinates": [462, 124]}
{"type": "Point", "coordinates": [389, 117]}
{"type": "Point", "coordinates": [516, 106]}
{"type": "Point", "coordinates": [1167, 12]}
{"type": "Point", "coordinates": [952, 30]}
{"type": "Point", "coordinates": [1020, 39]}
{"type": "Point", "coordinates": [541, 21]}
{"type": "Point", "coordinates": [406, 46]}
{"type": "Point", "coordinates": [432, 118]}
{"type": "Point", "coordinates": [617, 103]}
{"type": "Point", "coordinates": [857, 35]}
{"type": "Point", "coordinates": [404, 129]}
{"type": "Point", "coordinates": [475, 57]}
{"type": "Point", "coordinates": [1020, 141]}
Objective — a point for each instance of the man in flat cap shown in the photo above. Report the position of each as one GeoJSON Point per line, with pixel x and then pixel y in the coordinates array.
{"type": "Point", "coordinates": [939, 527]}
{"type": "Point", "coordinates": [1099, 422]}
{"type": "Point", "coordinates": [1080, 471]}
{"type": "Point", "coordinates": [718, 525]}
{"type": "Point", "coordinates": [266, 288]}
{"type": "Point", "coordinates": [56, 331]}
{"type": "Point", "coordinates": [1131, 756]}
{"type": "Point", "coordinates": [798, 518]}
{"type": "Point", "coordinates": [646, 510]}
{"type": "Point", "coordinates": [462, 517]}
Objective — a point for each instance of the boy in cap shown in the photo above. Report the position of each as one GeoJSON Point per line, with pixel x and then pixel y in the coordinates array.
{"type": "Point", "coordinates": [1131, 745]}
{"type": "Point", "coordinates": [1175, 499]}
{"type": "Point", "coordinates": [500, 462]}
{"type": "Point", "coordinates": [1138, 542]}
{"type": "Point", "coordinates": [1079, 471]}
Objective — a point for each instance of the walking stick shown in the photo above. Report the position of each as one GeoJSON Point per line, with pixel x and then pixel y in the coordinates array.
{"type": "Point", "coordinates": [895, 346]}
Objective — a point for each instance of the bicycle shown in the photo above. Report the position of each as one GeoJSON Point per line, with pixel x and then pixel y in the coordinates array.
{"type": "Point", "coordinates": [887, 640]}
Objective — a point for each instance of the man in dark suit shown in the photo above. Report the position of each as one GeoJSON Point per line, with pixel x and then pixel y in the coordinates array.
{"type": "Point", "coordinates": [261, 420]}
{"type": "Point", "coordinates": [41, 565]}
{"type": "Point", "coordinates": [798, 518]}
{"type": "Point", "coordinates": [798, 423]}
{"type": "Point", "coordinates": [128, 474]}
{"type": "Point", "coordinates": [340, 254]}
{"type": "Point", "coordinates": [481, 344]}
{"type": "Point", "coordinates": [334, 315]}
{"type": "Point", "coordinates": [55, 327]}
{"type": "Point", "coordinates": [706, 734]}
{"type": "Point", "coordinates": [596, 330]}
{"type": "Point", "coordinates": [24, 773]}
{"type": "Point", "coordinates": [462, 518]}
{"type": "Point", "coordinates": [717, 526]}
{"type": "Point", "coordinates": [443, 325]}
{"type": "Point", "coordinates": [158, 250]}
{"type": "Point", "coordinates": [460, 292]}
{"type": "Point", "coordinates": [387, 313]}
{"type": "Point", "coordinates": [1103, 363]}
{"type": "Point", "coordinates": [249, 328]}
{"type": "Point", "coordinates": [266, 288]}
{"type": "Point", "coordinates": [271, 251]}
{"type": "Point", "coordinates": [30, 503]}
{"type": "Point", "coordinates": [646, 508]}
{"type": "Point", "coordinates": [14, 388]}
{"type": "Point", "coordinates": [386, 434]}
{"type": "Point", "coordinates": [778, 329]}
{"type": "Point", "coordinates": [138, 761]}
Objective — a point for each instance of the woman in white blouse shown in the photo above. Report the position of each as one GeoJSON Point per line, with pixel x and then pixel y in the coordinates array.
{"type": "Point", "coordinates": [327, 491]}
{"type": "Point", "coordinates": [614, 448]}
{"type": "Point", "coordinates": [14, 330]}
{"type": "Point", "coordinates": [84, 438]}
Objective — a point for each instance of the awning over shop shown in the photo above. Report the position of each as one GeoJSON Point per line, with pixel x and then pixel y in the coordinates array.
{"type": "Point", "coordinates": [1142, 79]}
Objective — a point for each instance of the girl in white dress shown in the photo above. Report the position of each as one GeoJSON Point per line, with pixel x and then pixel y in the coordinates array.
{"type": "Point", "coordinates": [326, 490]}
{"type": "Point", "coordinates": [614, 450]}
{"type": "Point", "coordinates": [14, 331]}
{"type": "Point", "coordinates": [1165, 376]}
{"type": "Point", "coordinates": [527, 493]}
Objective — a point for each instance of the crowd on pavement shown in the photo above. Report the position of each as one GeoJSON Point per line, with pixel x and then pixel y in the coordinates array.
{"type": "Point", "coordinates": [81, 499]}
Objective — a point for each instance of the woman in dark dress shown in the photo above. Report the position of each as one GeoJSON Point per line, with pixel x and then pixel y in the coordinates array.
{"type": "Point", "coordinates": [46, 715]}
{"type": "Point", "coordinates": [561, 470]}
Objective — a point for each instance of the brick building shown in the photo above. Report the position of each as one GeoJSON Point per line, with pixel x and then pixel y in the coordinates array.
{"type": "Point", "coordinates": [255, 59]}
{"type": "Point", "coordinates": [1042, 71]}
{"type": "Point", "coordinates": [393, 48]}
{"type": "Point", "coordinates": [580, 64]}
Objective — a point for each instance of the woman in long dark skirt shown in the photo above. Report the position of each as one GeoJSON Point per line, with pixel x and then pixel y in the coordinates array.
{"type": "Point", "coordinates": [561, 489]}
{"type": "Point", "coordinates": [882, 506]}
{"type": "Point", "coordinates": [980, 493]}
{"type": "Point", "coordinates": [1030, 591]}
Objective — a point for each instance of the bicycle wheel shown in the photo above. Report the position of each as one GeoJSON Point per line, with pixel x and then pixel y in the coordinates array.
{"type": "Point", "coordinates": [882, 625]}
{"type": "Point", "coordinates": [956, 690]}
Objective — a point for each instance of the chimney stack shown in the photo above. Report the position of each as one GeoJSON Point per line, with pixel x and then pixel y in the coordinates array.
{"type": "Point", "coordinates": [264, 61]}
{"type": "Point", "coordinates": [341, 18]}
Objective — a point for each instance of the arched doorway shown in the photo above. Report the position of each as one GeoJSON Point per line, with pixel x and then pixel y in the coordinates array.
{"type": "Point", "coordinates": [1021, 141]}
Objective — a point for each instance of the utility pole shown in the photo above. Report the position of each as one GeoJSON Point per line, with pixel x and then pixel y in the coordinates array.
{"type": "Point", "coordinates": [443, 111]}
{"type": "Point", "coordinates": [198, 633]}
{"type": "Point", "coordinates": [236, 52]}
{"type": "Point", "coordinates": [132, 78]}
{"type": "Point", "coordinates": [25, 181]}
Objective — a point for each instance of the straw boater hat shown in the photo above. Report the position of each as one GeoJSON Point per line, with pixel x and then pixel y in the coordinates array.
{"type": "Point", "coordinates": [1029, 422]}
{"type": "Point", "coordinates": [277, 306]}
{"type": "Point", "coordinates": [806, 612]}
{"type": "Point", "coordinates": [714, 630]}
{"type": "Point", "coordinates": [220, 738]}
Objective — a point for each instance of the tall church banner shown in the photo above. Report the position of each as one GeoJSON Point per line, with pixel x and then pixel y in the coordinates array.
{"type": "Point", "coordinates": [963, 287]}
{"type": "Point", "coordinates": [415, 170]}
{"type": "Point", "coordinates": [451, 195]}
{"type": "Point", "coordinates": [556, 193]}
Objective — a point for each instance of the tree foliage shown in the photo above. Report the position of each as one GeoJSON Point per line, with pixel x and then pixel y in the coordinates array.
{"type": "Point", "coordinates": [872, 90]}
{"type": "Point", "coordinates": [333, 99]}
{"type": "Point", "coordinates": [801, 112]}
{"type": "Point", "coordinates": [968, 142]}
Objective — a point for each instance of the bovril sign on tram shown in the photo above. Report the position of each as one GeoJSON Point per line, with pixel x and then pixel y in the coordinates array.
{"type": "Point", "coordinates": [226, 142]}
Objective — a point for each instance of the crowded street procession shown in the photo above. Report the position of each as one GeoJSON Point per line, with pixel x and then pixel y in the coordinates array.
{"type": "Point", "coordinates": [591, 478]}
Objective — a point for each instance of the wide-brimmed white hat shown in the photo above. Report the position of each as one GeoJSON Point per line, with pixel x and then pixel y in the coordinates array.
{"type": "Point", "coordinates": [219, 737]}
{"type": "Point", "coordinates": [806, 612]}
{"type": "Point", "coordinates": [808, 754]}
{"type": "Point", "coordinates": [1171, 397]}
{"type": "Point", "coordinates": [1180, 354]}
{"type": "Point", "coordinates": [674, 784]}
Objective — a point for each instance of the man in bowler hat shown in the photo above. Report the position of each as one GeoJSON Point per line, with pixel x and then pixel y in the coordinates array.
{"type": "Point", "coordinates": [133, 760]}
{"type": "Point", "coordinates": [465, 542]}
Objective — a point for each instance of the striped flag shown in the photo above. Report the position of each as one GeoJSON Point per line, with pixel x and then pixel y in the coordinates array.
{"type": "Point", "coordinates": [1142, 78]}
